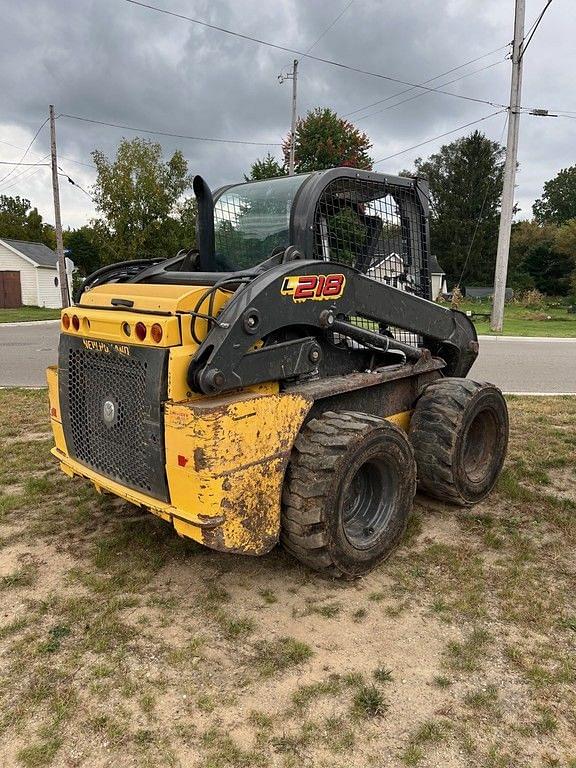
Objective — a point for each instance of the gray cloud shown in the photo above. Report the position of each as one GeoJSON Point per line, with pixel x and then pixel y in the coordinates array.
{"type": "Point", "coordinates": [115, 62]}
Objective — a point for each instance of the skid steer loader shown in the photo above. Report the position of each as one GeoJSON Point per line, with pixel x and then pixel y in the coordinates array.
{"type": "Point", "coordinates": [288, 380]}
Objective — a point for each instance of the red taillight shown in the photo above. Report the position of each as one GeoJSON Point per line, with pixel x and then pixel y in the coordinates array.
{"type": "Point", "coordinates": [156, 333]}
{"type": "Point", "coordinates": [75, 322]}
{"type": "Point", "coordinates": [140, 331]}
{"type": "Point", "coordinates": [65, 321]}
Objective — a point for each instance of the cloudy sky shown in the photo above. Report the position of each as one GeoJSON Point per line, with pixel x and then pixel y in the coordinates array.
{"type": "Point", "coordinates": [116, 62]}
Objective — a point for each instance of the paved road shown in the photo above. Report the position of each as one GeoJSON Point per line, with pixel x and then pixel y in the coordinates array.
{"type": "Point", "coordinates": [527, 365]}
{"type": "Point", "coordinates": [515, 365]}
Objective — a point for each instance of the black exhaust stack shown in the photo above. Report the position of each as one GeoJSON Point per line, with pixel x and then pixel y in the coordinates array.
{"type": "Point", "coordinates": [205, 223]}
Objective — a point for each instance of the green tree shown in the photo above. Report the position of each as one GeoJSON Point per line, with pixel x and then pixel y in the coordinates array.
{"type": "Point", "coordinates": [542, 256]}
{"type": "Point", "coordinates": [140, 199]}
{"type": "Point", "coordinates": [324, 140]}
{"type": "Point", "coordinates": [565, 245]}
{"type": "Point", "coordinates": [83, 248]}
{"type": "Point", "coordinates": [19, 221]}
{"type": "Point", "coordinates": [558, 202]}
{"type": "Point", "coordinates": [266, 168]}
{"type": "Point", "coordinates": [465, 179]}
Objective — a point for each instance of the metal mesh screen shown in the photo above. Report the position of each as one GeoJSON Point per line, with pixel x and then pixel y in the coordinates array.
{"type": "Point", "coordinates": [116, 450]}
{"type": "Point", "coordinates": [379, 229]}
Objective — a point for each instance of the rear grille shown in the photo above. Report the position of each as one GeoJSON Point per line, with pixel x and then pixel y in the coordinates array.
{"type": "Point", "coordinates": [112, 405]}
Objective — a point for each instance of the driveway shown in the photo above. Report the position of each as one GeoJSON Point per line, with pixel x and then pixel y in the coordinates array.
{"type": "Point", "coordinates": [514, 364]}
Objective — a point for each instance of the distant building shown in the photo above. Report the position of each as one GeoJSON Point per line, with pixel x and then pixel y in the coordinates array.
{"type": "Point", "coordinates": [29, 275]}
{"type": "Point", "coordinates": [437, 278]}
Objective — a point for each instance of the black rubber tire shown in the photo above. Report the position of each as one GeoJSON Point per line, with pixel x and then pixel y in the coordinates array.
{"type": "Point", "coordinates": [338, 515]}
{"type": "Point", "coordinates": [459, 431]}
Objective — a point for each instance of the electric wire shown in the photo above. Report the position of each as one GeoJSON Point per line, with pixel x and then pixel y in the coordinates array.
{"type": "Point", "coordinates": [26, 150]}
{"type": "Point", "coordinates": [533, 29]}
{"type": "Point", "coordinates": [430, 80]}
{"type": "Point", "coordinates": [440, 136]}
{"type": "Point", "coordinates": [329, 27]}
{"type": "Point", "coordinates": [419, 95]}
{"type": "Point", "coordinates": [173, 135]}
{"type": "Point", "coordinates": [26, 173]}
{"type": "Point", "coordinates": [303, 54]}
{"type": "Point", "coordinates": [479, 218]}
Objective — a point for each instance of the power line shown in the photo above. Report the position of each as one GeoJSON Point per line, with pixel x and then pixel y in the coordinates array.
{"type": "Point", "coordinates": [534, 27]}
{"type": "Point", "coordinates": [173, 135]}
{"type": "Point", "coordinates": [69, 159]}
{"type": "Point", "coordinates": [419, 95]}
{"type": "Point", "coordinates": [25, 173]}
{"type": "Point", "coordinates": [430, 80]}
{"type": "Point", "coordinates": [440, 136]}
{"type": "Point", "coordinates": [303, 54]}
{"type": "Point", "coordinates": [329, 27]}
{"type": "Point", "coordinates": [75, 184]}
{"type": "Point", "coordinates": [25, 151]}
{"type": "Point", "coordinates": [18, 178]}
{"type": "Point", "coordinates": [11, 162]}
{"type": "Point", "coordinates": [479, 218]}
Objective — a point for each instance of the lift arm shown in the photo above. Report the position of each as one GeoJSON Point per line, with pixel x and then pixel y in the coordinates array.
{"type": "Point", "coordinates": [312, 295]}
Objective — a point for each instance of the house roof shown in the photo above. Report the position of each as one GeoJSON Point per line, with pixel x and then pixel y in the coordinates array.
{"type": "Point", "coordinates": [435, 268]}
{"type": "Point", "coordinates": [39, 253]}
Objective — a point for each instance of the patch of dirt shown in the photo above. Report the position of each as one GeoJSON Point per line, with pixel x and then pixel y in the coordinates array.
{"type": "Point", "coordinates": [563, 483]}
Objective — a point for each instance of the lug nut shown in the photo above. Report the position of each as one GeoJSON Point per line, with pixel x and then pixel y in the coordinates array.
{"type": "Point", "coordinates": [314, 355]}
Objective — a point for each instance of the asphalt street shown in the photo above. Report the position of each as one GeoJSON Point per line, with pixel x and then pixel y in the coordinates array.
{"type": "Point", "coordinates": [514, 364]}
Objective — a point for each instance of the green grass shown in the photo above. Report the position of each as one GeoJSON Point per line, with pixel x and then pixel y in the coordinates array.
{"type": "Point", "coordinates": [551, 319]}
{"type": "Point", "coordinates": [26, 314]}
{"type": "Point", "coordinates": [107, 623]}
{"type": "Point", "coordinates": [278, 655]}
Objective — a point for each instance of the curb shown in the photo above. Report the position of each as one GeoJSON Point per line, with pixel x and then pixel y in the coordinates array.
{"type": "Point", "coordinates": [541, 394]}
{"type": "Point", "coordinates": [28, 322]}
{"type": "Point", "coordinates": [562, 339]}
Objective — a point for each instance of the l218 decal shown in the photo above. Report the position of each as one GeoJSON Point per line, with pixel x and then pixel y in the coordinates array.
{"type": "Point", "coordinates": [313, 287]}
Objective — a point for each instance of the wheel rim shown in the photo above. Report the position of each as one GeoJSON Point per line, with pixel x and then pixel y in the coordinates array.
{"type": "Point", "coordinates": [369, 502]}
{"type": "Point", "coordinates": [479, 444]}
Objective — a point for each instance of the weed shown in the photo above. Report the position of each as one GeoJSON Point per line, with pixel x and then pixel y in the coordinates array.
{"type": "Point", "coordinates": [430, 732]}
{"type": "Point", "coordinates": [482, 698]}
{"type": "Point", "coordinates": [268, 596]}
{"type": "Point", "coordinates": [368, 701]}
{"type": "Point", "coordinates": [233, 629]}
{"type": "Point", "coordinates": [441, 681]}
{"type": "Point", "coordinates": [55, 635]}
{"type": "Point", "coordinates": [205, 703]}
{"type": "Point", "coordinates": [22, 577]}
{"type": "Point", "coordinates": [281, 654]}
{"type": "Point", "coordinates": [467, 655]}
{"type": "Point", "coordinates": [327, 610]}
{"type": "Point", "coordinates": [305, 694]}
{"type": "Point", "coordinates": [382, 675]}
{"type": "Point", "coordinates": [359, 615]}
{"type": "Point", "coordinates": [546, 723]}
{"type": "Point", "coordinates": [40, 754]}
{"type": "Point", "coordinates": [412, 755]}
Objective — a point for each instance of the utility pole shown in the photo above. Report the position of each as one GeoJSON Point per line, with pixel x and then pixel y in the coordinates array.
{"type": "Point", "coordinates": [507, 208]}
{"type": "Point", "coordinates": [294, 78]}
{"type": "Point", "coordinates": [57, 219]}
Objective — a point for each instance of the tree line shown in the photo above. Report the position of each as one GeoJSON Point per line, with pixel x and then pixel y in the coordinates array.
{"type": "Point", "coordinates": [145, 208]}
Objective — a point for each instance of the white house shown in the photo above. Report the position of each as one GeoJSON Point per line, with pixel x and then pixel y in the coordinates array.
{"type": "Point", "coordinates": [29, 275]}
{"type": "Point", "coordinates": [437, 278]}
